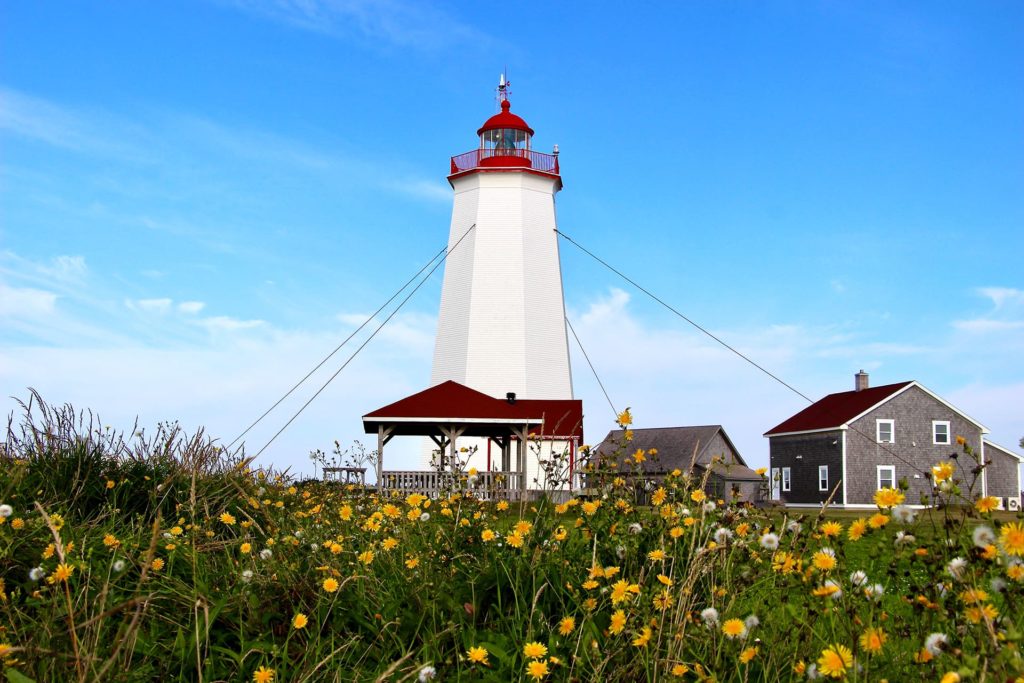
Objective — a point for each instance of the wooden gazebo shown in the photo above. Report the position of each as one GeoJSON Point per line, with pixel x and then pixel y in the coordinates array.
{"type": "Point", "coordinates": [450, 411]}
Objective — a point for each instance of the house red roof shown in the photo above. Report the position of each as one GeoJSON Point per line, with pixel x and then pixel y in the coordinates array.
{"type": "Point", "coordinates": [835, 410]}
{"type": "Point", "coordinates": [451, 401]}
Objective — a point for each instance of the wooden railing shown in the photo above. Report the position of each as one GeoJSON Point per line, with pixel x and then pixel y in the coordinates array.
{"type": "Point", "coordinates": [484, 485]}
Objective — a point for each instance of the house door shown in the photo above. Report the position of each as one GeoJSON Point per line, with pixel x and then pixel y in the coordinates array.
{"type": "Point", "coordinates": [776, 483]}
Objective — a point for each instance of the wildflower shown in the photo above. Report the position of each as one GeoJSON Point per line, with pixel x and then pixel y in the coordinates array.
{"type": "Point", "coordinates": [950, 676]}
{"type": "Point", "coordinates": [299, 621]}
{"type": "Point", "coordinates": [709, 616]}
{"type": "Point", "coordinates": [935, 643]}
{"type": "Point", "coordinates": [566, 626]}
{"type": "Point", "coordinates": [986, 504]}
{"type": "Point", "coordinates": [824, 560]}
{"type": "Point", "coordinates": [487, 535]}
{"type": "Point", "coordinates": [956, 567]}
{"type": "Point", "coordinates": [769, 541]}
{"type": "Point", "coordinates": [829, 589]}
{"type": "Point", "coordinates": [110, 540]}
{"type": "Point", "coordinates": [17, 523]}
{"type": "Point", "coordinates": [266, 554]}
{"type": "Point", "coordinates": [656, 555]}
{"type": "Point", "coordinates": [617, 623]}
{"type": "Point", "coordinates": [831, 529]}
{"type": "Point", "coordinates": [734, 628]}
{"type": "Point", "coordinates": [263, 675]}
{"type": "Point", "coordinates": [878, 520]}
{"type": "Point", "coordinates": [1011, 539]}
{"type": "Point", "coordinates": [747, 655]}
{"type": "Point", "coordinates": [659, 496]}
{"type": "Point", "coordinates": [835, 660]}
{"type": "Point", "coordinates": [857, 529]}
{"type": "Point", "coordinates": [227, 518]}
{"type": "Point", "coordinates": [903, 538]}
{"type": "Point", "coordinates": [888, 497]}
{"type": "Point", "coordinates": [794, 527]}
{"type": "Point", "coordinates": [427, 673]}
{"type": "Point", "coordinates": [366, 557]}
{"type": "Point", "coordinates": [663, 600]}
{"type": "Point", "coordinates": [537, 669]}
{"type": "Point", "coordinates": [118, 566]}
{"type": "Point", "coordinates": [873, 639]}
{"type": "Point", "coordinates": [722, 535]}
{"type": "Point", "coordinates": [36, 574]}
{"type": "Point", "coordinates": [514, 540]}
{"type": "Point", "coordinates": [330, 584]}
{"type": "Point", "coordinates": [502, 505]}
{"type": "Point", "coordinates": [680, 670]}
{"type": "Point", "coordinates": [977, 614]}
{"type": "Point", "coordinates": [858, 578]}
{"type": "Point", "coordinates": [412, 563]}
{"type": "Point", "coordinates": [625, 418]}
{"type": "Point", "coordinates": [664, 580]}
{"type": "Point", "coordinates": [6, 511]}
{"type": "Point", "coordinates": [904, 514]}
{"type": "Point", "coordinates": [621, 590]}
{"type": "Point", "coordinates": [874, 591]}
{"type": "Point", "coordinates": [590, 507]}
{"type": "Point", "coordinates": [110, 484]}
{"type": "Point", "coordinates": [477, 655]}
{"type": "Point", "coordinates": [635, 528]}
{"type": "Point", "coordinates": [644, 637]}
{"type": "Point", "coordinates": [245, 548]}
{"type": "Point", "coordinates": [425, 516]}
{"type": "Point", "coordinates": [63, 572]}
{"type": "Point", "coordinates": [639, 456]}
{"type": "Point", "coordinates": [942, 471]}
{"type": "Point", "coordinates": [698, 496]}
{"type": "Point", "coordinates": [157, 564]}
{"type": "Point", "coordinates": [246, 576]}
{"type": "Point", "coordinates": [534, 650]}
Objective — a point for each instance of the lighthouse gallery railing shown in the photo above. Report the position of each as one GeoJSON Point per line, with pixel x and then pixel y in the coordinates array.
{"type": "Point", "coordinates": [516, 158]}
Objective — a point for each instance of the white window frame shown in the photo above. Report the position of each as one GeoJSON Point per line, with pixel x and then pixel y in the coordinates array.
{"type": "Point", "coordinates": [787, 479]}
{"type": "Point", "coordinates": [935, 433]}
{"type": "Point", "coordinates": [823, 480]}
{"type": "Point", "coordinates": [892, 430]}
{"type": "Point", "coordinates": [892, 475]}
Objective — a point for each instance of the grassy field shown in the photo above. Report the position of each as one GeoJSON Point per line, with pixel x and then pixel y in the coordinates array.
{"type": "Point", "coordinates": [159, 557]}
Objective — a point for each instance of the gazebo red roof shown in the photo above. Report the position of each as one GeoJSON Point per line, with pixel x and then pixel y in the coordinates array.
{"type": "Point", "coordinates": [454, 402]}
{"type": "Point", "coordinates": [835, 410]}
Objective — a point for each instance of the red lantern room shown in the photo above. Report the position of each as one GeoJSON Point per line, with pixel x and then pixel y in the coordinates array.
{"type": "Point", "coordinates": [505, 143]}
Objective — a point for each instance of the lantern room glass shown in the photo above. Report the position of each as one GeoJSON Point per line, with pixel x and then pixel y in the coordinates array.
{"type": "Point", "coordinates": [505, 140]}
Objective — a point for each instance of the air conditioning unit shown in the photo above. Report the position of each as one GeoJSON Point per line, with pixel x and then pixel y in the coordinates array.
{"type": "Point", "coordinates": [999, 504]}
{"type": "Point", "coordinates": [1013, 504]}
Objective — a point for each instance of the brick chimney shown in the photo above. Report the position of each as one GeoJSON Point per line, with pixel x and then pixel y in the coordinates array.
{"type": "Point", "coordinates": [860, 381]}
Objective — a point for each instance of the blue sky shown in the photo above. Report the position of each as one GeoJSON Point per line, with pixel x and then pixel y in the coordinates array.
{"type": "Point", "coordinates": [198, 200]}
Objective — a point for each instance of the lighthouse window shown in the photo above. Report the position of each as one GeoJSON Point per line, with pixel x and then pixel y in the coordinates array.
{"type": "Point", "coordinates": [504, 139]}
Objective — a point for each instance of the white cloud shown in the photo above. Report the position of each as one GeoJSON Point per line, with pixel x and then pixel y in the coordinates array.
{"type": "Point", "coordinates": [191, 307]}
{"type": "Point", "coordinates": [223, 323]}
{"type": "Point", "coordinates": [985, 325]}
{"type": "Point", "coordinates": [1001, 296]}
{"type": "Point", "coordinates": [161, 305]}
{"type": "Point", "coordinates": [25, 301]}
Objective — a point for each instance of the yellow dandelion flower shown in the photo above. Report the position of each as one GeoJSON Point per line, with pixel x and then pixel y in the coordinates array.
{"type": "Point", "coordinates": [832, 529]}
{"type": "Point", "coordinates": [412, 563]}
{"type": "Point", "coordinates": [389, 544]}
{"type": "Point", "coordinates": [17, 523]}
{"type": "Point", "coordinates": [487, 535]}
{"type": "Point", "coordinates": [1011, 539]}
{"type": "Point", "coordinates": [537, 669]}
{"type": "Point", "coordinates": [734, 628]}
{"type": "Point", "coordinates": [887, 498]}
{"type": "Point", "coordinates": [656, 555]}
{"type": "Point", "coordinates": [748, 654]}
{"type": "Point", "coordinates": [514, 540]}
{"type": "Point", "coordinates": [625, 418]}
{"type": "Point", "coordinates": [366, 557]}
{"type": "Point", "coordinates": [157, 564]}
{"type": "Point", "coordinates": [299, 621]}
{"type": "Point", "coordinates": [676, 531]}
{"type": "Point", "coordinates": [987, 504]}
{"type": "Point", "coordinates": [698, 496]}
{"type": "Point", "coordinates": [63, 572]}
{"type": "Point", "coordinates": [878, 520]}
{"type": "Point", "coordinates": [873, 639]}
{"type": "Point", "coordinates": [857, 529]}
{"type": "Point", "coordinates": [502, 505]}
{"type": "Point", "coordinates": [942, 471]}
{"type": "Point", "coordinates": [477, 655]}
{"type": "Point", "coordinates": [227, 518]}
{"type": "Point", "coordinates": [330, 584]}
{"type": "Point", "coordinates": [110, 484]}
{"type": "Point", "coordinates": [664, 579]}
{"type": "Point", "coordinates": [534, 650]}
{"type": "Point", "coordinates": [824, 560]}
{"type": "Point", "coordinates": [566, 626]}
{"type": "Point", "coordinates": [680, 670]}
{"type": "Point", "coordinates": [590, 507]}
{"type": "Point", "coordinates": [980, 613]}
{"type": "Point", "coordinates": [659, 496]}
{"type": "Point", "coordinates": [523, 527]}
{"type": "Point", "coordinates": [245, 548]}
{"type": "Point", "coordinates": [590, 584]}
{"type": "Point", "coordinates": [263, 675]}
{"type": "Point", "coordinates": [835, 661]}
{"type": "Point", "coordinates": [617, 623]}
{"type": "Point", "coordinates": [110, 540]}
{"type": "Point", "coordinates": [644, 637]}
{"type": "Point", "coordinates": [952, 676]}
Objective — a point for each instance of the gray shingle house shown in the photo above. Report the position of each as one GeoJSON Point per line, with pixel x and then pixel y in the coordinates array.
{"type": "Point", "coordinates": [703, 448]}
{"type": "Point", "coordinates": [856, 442]}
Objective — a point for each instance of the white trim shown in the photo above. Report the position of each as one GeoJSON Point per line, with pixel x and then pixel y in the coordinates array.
{"type": "Point", "coordinates": [935, 434]}
{"type": "Point", "coordinates": [878, 430]}
{"type": "Point", "coordinates": [844, 467]}
{"type": "Point", "coordinates": [984, 471]}
{"type": "Point", "coordinates": [820, 468]}
{"type": "Point", "coordinates": [786, 485]}
{"type": "Point", "coordinates": [884, 400]}
{"type": "Point", "coordinates": [775, 483]}
{"type": "Point", "coordinates": [878, 475]}
{"type": "Point", "coordinates": [868, 506]}
{"type": "Point", "coordinates": [806, 431]}
{"type": "Point", "coordinates": [458, 420]}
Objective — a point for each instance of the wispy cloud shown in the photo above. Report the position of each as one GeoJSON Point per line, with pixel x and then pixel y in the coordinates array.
{"type": "Point", "coordinates": [1005, 315]}
{"type": "Point", "coordinates": [19, 302]}
{"type": "Point", "coordinates": [417, 25]}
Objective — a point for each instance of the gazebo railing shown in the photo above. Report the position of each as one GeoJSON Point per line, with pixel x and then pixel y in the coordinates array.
{"type": "Point", "coordinates": [487, 485]}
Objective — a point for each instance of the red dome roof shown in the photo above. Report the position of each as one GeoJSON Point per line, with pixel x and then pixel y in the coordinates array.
{"type": "Point", "coordinates": [505, 119]}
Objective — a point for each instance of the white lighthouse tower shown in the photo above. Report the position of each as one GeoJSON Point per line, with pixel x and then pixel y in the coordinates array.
{"type": "Point", "coordinates": [501, 327]}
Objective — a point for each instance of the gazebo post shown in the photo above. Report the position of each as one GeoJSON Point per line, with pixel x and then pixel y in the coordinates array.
{"type": "Point", "coordinates": [521, 433]}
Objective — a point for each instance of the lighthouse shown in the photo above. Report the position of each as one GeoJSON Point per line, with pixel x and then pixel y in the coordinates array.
{"type": "Point", "coordinates": [501, 327]}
